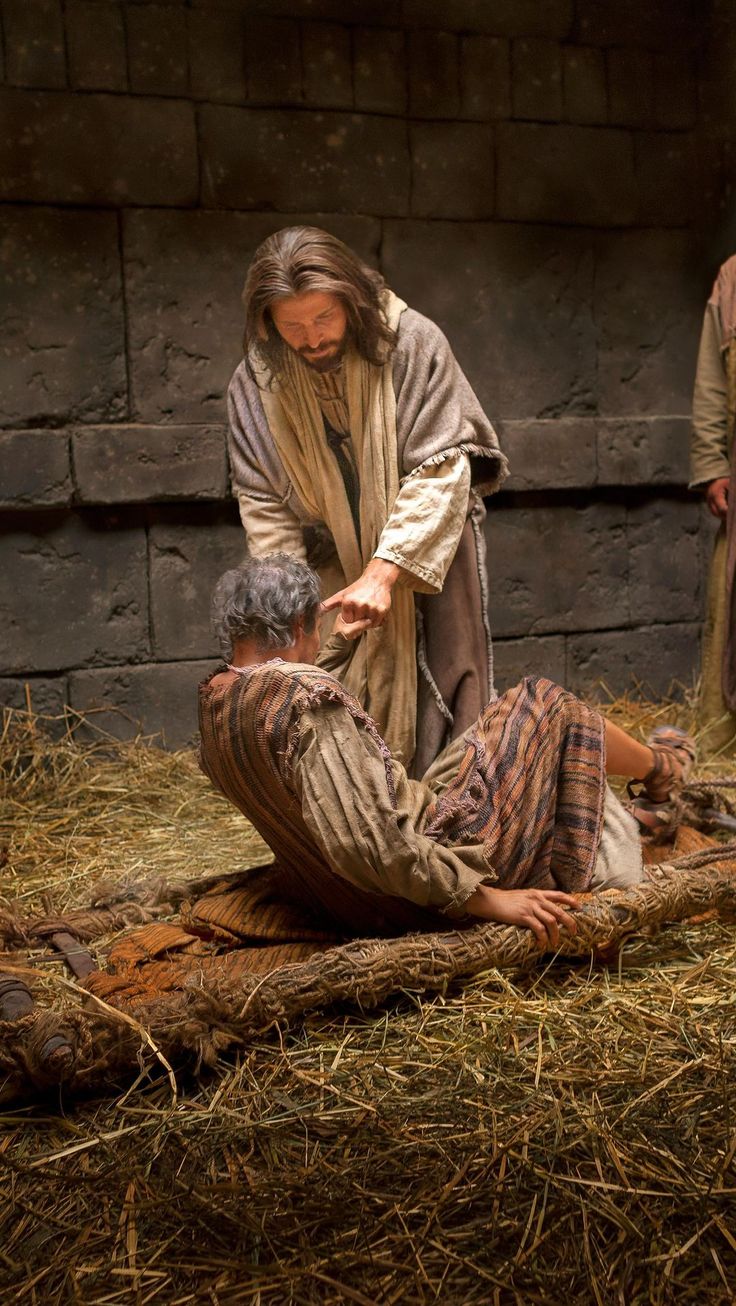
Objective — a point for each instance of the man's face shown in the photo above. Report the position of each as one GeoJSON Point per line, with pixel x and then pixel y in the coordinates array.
{"type": "Point", "coordinates": [314, 325]}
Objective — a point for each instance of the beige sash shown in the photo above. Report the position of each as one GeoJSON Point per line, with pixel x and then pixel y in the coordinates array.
{"type": "Point", "coordinates": [381, 669]}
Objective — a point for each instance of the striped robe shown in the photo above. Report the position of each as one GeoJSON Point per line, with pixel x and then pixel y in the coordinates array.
{"type": "Point", "coordinates": [360, 848]}
{"type": "Point", "coordinates": [519, 798]}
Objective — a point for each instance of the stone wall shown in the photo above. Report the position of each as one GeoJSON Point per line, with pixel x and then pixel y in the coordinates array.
{"type": "Point", "coordinates": [545, 178]}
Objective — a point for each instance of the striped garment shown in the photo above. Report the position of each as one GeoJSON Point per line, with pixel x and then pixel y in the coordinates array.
{"type": "Point", "coordinates": [527, 788]}
{"type": "Point", "coordinates": [248, 735]}
{"type": "Point", "coordinates": [530, 788]}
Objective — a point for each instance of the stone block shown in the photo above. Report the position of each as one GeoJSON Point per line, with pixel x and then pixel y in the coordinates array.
{"type": "Point", "coordinates": [485, 77]}
{"type": "Point", "coordinates": [217, 55]}
{"type": "Point", "coordinates": [158, 699]}
{"type": "Point", "coordinates": [252, 159]}
{"type": "Point", "coordinates": [97, 149]}
{"type": "Point", "coordinates": [630, 88]}
{"type": "Point", "coordinates": [273, 61]}
{"type": "Point", "coordinates": [380, 70]}
{"type": "Point", "coordinates": [584, 84]}
{"type": "Point", "coordinates": [34, 43]}
{"type": "Point", "coordinates": [149, 464]}
{"type": "Point", "coordinates": [537, 79]}
{"type": "Point", "coordinates": [549, 455]}
{"type": "Point", "coordinates": [665, 168]}
{"type": "Point", "coordinates": [560, 569]}
{"type": "Point", "coordinates": [515, 302]}
{"type": "Point", "coordinates": [648, 306]}
{"type": "Point", "coordinates": [72, 592]}
{"type": "Point", "coordinates": [646, 451]}
{"type": "Point", "coordinates": [186, 558]}
{"type": "Point", "coordinates": [657, 24]}
{"type": "Point", "coordinates": [664, 561]}
{"type": "Point", "coordinates": [34, 469]}
{"type": "Point", "coordinates": [553, 174]}
{"type": "Point", "coordinates": [675, 95]}
{"type": "Point", "coordinates": [327, 66]}
{"type": "Point", "coordinates": [185, 314]}
{"type": "Point", "coordinates": [46, 696]}
{"type": "Point", "coordinates": [452, 170]}
{"type": "Point", "coordinates": [709, 529]}
{"type": "Point", "coordinates": [434, 89]}
{"type": "Point", "coordinates": [501, 18]}
{"type": "Point", "coordinates": [542, 655]}
{"type": "Point", "coordinates": [95, 39]}
{"type": "Point", "coordinates": [64, 341]}
{"type": "Point", "coordinates": [376, 12]}
{"type": "Point", "coordinates": [651, 663]}
{"type": "Point", "coordinates": [157, 49]}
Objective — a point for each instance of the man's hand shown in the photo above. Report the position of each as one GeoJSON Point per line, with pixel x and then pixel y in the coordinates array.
{"type": "Point", "coordinates": [367, 602]}
{"type": "Point", "coordinates": [350, 631]}
{"type": "Point", "coordinates": [716, 497]}
{"type": "Point", "coordinates": [543, 911]}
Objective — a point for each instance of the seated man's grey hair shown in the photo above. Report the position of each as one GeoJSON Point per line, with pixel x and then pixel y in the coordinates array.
{"type": "Point", "coordinates": [262, 599]}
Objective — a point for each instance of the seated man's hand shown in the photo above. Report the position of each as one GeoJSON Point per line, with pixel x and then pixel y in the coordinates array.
{"type": "Point", "coordinates": [543, 911]}
{"type": "Point", "coordinates": [716, 497]}
{"type": "Point", "coordinates": [349, 630]}
{"type": "Point", "coordinates": [367, 601]}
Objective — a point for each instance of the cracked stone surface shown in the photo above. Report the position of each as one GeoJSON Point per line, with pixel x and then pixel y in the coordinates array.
{"type": "Point", "coordinates": [657, 660]}
{"type": "Point", "coordinates": [515, 303]}
{"type": "Point", "coordinates": [330, 162]}
{"type": "Point", "coordinates": [535, 656]}
{"type": "Point", "coordinates": [664, 559]}
{"type": "Point", "coordinates": [452, 170]}
{"type": "Point", "coordinates": [649, 307]}
{"type": "Point", "coordinates": [186, 558]}
{"type": "Point", "coordinates": [72, 591]}
{"type": "Point", "coordinates": [503, 18]}
{"type": "Point", "coordinates": [34, 469]}
{"type": "Point", "coordinates": [60, 148]}
{"type": "Point", "coordinates": [549, 455]}
{"type": "Point", "coordinates": [552, 173]}
{"type": "Point", "coordinates": [47, 696]}
{"type": "Point", "coordinates": [557, 569]}
{"type": "Point", "coordinates": [644, 451]}
{"type": "Point", "coordinates": [158, 699]}
{"type": "Point", "coordinates": [184, 310]}
{"type": "Point", "coordinates": [145, 464]}
{"type": "Point", "coordinates": [63, 350]}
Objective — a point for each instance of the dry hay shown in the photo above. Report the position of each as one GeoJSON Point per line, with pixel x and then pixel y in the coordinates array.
{"type": "Point", "coordinates": [565, 1135]}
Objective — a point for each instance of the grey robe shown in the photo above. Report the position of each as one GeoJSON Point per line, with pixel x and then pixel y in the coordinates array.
{"type": "Point", "coordinates": [437, 414]}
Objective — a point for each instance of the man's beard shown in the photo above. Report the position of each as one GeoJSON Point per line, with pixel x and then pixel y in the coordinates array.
{"type": "Point", "coordinates": [328, 360]}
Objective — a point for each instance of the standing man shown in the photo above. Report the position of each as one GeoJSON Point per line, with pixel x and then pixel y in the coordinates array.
{"type": "Point", "coordinates": [357, 443]}
{"type": "Point", "coordinates": [714, 416]}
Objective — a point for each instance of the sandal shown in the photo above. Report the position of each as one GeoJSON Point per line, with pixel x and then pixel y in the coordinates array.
{"type": "Point", "coordinates": [658, 820]}
{"type": "Point", "coordinates": [673, 754]}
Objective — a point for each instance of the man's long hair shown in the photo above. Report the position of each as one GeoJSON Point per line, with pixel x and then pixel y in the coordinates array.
{"type": "Point", "coordinates": [298, 259]}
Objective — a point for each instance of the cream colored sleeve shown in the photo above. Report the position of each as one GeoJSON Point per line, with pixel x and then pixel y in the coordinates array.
{"type": "Point", "coordinates": [340, 779]}
{"type": "Point", "coordinates": [271, 527]}
{"type": "Point", "coordinates": [709, 443]}
{"type": "Point", "coordinates": [424, 528]}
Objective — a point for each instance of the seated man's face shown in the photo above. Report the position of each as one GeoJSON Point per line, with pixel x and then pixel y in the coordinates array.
{"type": "Point", "coordinates": [314, 325]}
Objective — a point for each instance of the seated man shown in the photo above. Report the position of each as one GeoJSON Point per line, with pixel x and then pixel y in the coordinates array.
{"type": "Point", "coordinates": [509, 821]}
